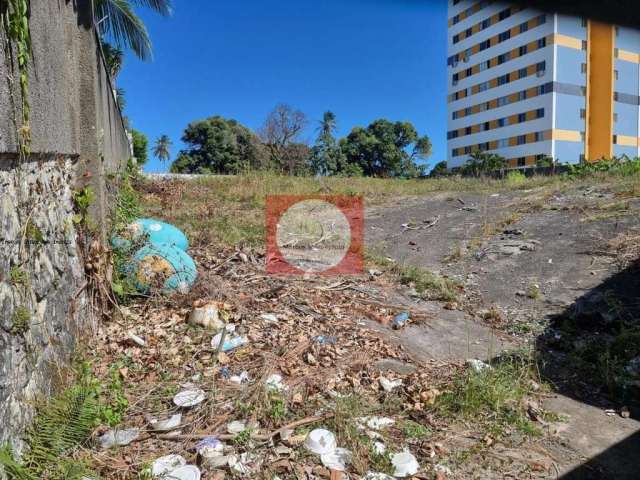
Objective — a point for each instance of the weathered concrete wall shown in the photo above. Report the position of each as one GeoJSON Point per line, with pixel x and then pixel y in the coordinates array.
{"type": "Point", "coordinates": [78, 139]}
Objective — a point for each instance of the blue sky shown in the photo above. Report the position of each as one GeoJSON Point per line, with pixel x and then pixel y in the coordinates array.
{"type": "Point", "coordinates": [362, 59]}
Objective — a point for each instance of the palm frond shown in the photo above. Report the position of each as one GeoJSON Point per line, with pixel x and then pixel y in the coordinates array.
{"type": "Point", "coordinates": [118, 20]}
{"type": "Point", "coordinates": [163, 7]}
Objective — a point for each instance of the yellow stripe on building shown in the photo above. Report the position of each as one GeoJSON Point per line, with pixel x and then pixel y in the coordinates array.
{"type": "Point", "coordinates": [567, 41]}
{"type": "Point", "coordinates": [566, 135]}
{"type": "Point", "coordinates": [627, 141]}
{"type": "Point", "coordinates": [628, 56]}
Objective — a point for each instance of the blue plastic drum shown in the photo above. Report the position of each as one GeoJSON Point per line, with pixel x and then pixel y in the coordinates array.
{"type": "Point", "coordinates": [162, 267]}
{"type": "Point", "coordinates": [154, 231]}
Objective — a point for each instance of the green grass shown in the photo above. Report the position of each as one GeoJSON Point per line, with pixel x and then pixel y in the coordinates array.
{"type": "Point", "coordinates": [414, 430]}
{"type": "Point", "coordinates": [492, 398]}
{"type": "Point", "coordinates": [428, 284]}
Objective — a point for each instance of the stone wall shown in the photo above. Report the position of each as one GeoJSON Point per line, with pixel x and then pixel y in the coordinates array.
{"type": "Point", "coordinates": [78, 139]}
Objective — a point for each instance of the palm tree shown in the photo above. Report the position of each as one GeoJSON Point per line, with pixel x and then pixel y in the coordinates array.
{"type": "Point", "coordinates": [117, 19]}
{"type": "Point", "coordinates": [162, 147]}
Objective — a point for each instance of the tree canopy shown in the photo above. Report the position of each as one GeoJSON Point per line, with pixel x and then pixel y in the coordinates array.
{"type": "Point", "coordinates": [386, 149]}
{"type": "Point", "coordinates": [218, 145]}
{"type": "Point", "coordinates": [140, 144]}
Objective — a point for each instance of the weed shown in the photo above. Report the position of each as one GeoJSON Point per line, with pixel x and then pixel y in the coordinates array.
{"type": "Point", "coordinates": [516, 178]}
{"type": "Point", "coordinates": [33, 233]}
{"type": "Point", "coordinates": [243, 438]}
{"type": "Point", "coordinates": [492, 396]}
{"type": "Point", "coordinates": [61, 425]}
{"type": "Point", "coordinates": [17, 276]}
{"type": "Point", "coordinates": [83, 199]}
{"type": "Point", "coordinates": [414, 430]}
{"type": "Point", "coordinates": [21, 320]}
{"type": "Point", "coordinates": [533, 291]}
{"type": "Point", "coordinates": [426, 283]}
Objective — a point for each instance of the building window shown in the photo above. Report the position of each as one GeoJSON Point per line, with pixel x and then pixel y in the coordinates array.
{"type": "Point", "coordinates": [500, 122]}
{"type": "Point", "coordinates": [522, 117]}
{"type": "Point", "coordinates": [469, 72]}
{"type": "Point", "coordinates": [485, 23]}
{"type": "Point", "coordinates": [541, 66]}
{"type": "Point", "coordinates": [542, 42]}
{"type": "Point", "coordinates": [542, 19]}
{"type": "Point", "coordinates": [456, 19]}
{"type": "Point", "coordinates": [454, 152]}
{"type": "Point", "coordinates": [467, 131]}
{"type": "Point", "coordinates": [615, 96]}
{"type": "Point", "coordinates": [467, 111]}
{"type": "Point", "coordinates": [454, 115]}
{"type": "Point", "coordinates": [522, 72]}
{"type": "Point", "coordinates": [540, 113]}
{"type": "Point", "coordinates": [584, 45]}
{"type": "Point", "coordinates": [581, 158]}
{"type": "Point", "coordinates": [483, 86]}
{"type": "Point", "coordinates": [522, 161]}
{"type": "Point", "coordinates": [504, 14]}
{"type": "Point", "coordinates": [456, 38]}
{"type": "Point", "coordinates": [454, 80]}
{"type": "Point", "coordinates": [583, 113]}
{"type": "Point", "coordinates": [524, 27]}
{"type": "Point", "coordinates": [487, 126]}
{"type": "Point", "coordinates": [504, 36]}
{"type": "Point", "coordinates": [538, 137]}
{"type": "Point", "coordinates": [503, 79]}
{"type": "Point", "coordinates": [467, 149]}
{"type": "Point", "coordinates": [522, 139]}
{"type": "Point", "coordinates": [522, 95]}
{"type": "Point", "coordinates": [503, 143]}
{"type": "Point", "coordinates": [615, 139]}
{"type": "Point", "coordinates": [584, 22]}
{"type": "Point", "coordinates": [485, 44]}
{"type": "Point", "coordinates": [583, 68]}
{"type": "Point", "coordinates": [502, 101]}
{"type": "Point", "coordinates": [503, 58]}
{"type": "Point", "coordinates": [616, 74]}
{"type": "Point", "coordinates": [615, 117]}
{"type": "Point", "coordinates": [523, 50]}
{"type": "Point", "coordinates": [468, 32]}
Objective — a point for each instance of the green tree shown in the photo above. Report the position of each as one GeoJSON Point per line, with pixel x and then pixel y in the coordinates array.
{"type": "Point", "coordinates": [118, 20]}
{"type": "Point", "coordinates": [386, 149]}
{"type": "Point", "coordinates": [218, 145]}
{"type": "Point", "coordinates": [326, 156]}
{"type": "Point", "coordinates": [439, 169]}
{"type": "Point", "coordinates": [162, 148]}
{"type": "Point", "coordinates": [483, 163]}
{"type": "Point", "coordinates": [140, 145]}
{"type": "Point", "coordinates": [113, 57]}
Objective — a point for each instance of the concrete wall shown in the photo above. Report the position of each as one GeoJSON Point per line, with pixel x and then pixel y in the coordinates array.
{"type": "Point", "coordinates": [78, 139]}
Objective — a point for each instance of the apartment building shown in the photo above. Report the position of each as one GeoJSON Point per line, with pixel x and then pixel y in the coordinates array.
{"type": "Point", "coordinates": [527, 84]}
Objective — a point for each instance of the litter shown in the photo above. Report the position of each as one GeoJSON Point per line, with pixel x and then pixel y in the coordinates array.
{"type": "Point", "coordinates": [274, 382]}
{"type": "Point", "coordinates": [185, 472]}
{"type": "Point", "coordinates": [377, 476]}
{"type": "Point", "coordinates": [189, 398]}
{"type": "Point", "coordinates": [136, 339]}
{"type": "Point", "coordinates": [269, 317]}
{"type": "Point", "coordinates": [210, 452]}
{"type": "Point", "coordinates": [405, 464]}
{"type": "Point", "coordinates": [164, 267]}
{"type": "Point", "coordinates": [320, 441]}
{"type": "Point", "coordinates": [478, 365]}
{"type": "Point", "coordinates": [165, 425]}
{"type": "Point", "coordinates": [166, 464]}
{"type": "Point", "coordinates": [388, 385]}
{"type": "Point", "coordinates": [375, 423]}
{"type": "Point", "coordinates": [206, 315]}
{"type": "Point", "coordinates": [322, 340]}
{"type": "Point", "coordinates": [118, 438]}
{"type": "Point", "coordinates": [400, 320]}
{"type": "Point", "coordinates": [240, 463]}
{"type": "Point", "coordinates": [379, 448]}
{"type": "Point", "coordinates": [236, 427]}
{"type": "Point", "coordinates": [442, 469]}
{"type": "Point", "coordinates": [337, 460]}
{"type": "Point", "coordinates": [239, 379]}
{"type": "Point", "coordinates": [229, 342]}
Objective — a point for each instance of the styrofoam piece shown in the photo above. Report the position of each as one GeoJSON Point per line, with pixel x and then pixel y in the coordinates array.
{"type": "Point", "coordinates": [320, 441]}
{"type": "Point", "coordinates": [405, 464]}
{"type": "Point", "coordinates": [189, 398]}
{"type": "Point", "coordinates": [163, 465]}
{"type": "Point", "coordinates": [337, 460]}
{"type": "Point", "coordinates": [166, 424]}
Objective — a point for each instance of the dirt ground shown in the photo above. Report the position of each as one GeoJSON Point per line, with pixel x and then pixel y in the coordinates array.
{"type": "Point", "coordinates": [520, 265]}
{"type": "Point", "coordinates": [527, 258]}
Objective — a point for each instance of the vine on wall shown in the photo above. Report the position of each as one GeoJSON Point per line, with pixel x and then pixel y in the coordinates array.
{"type": "Point", "coordinates": [14, 22]}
